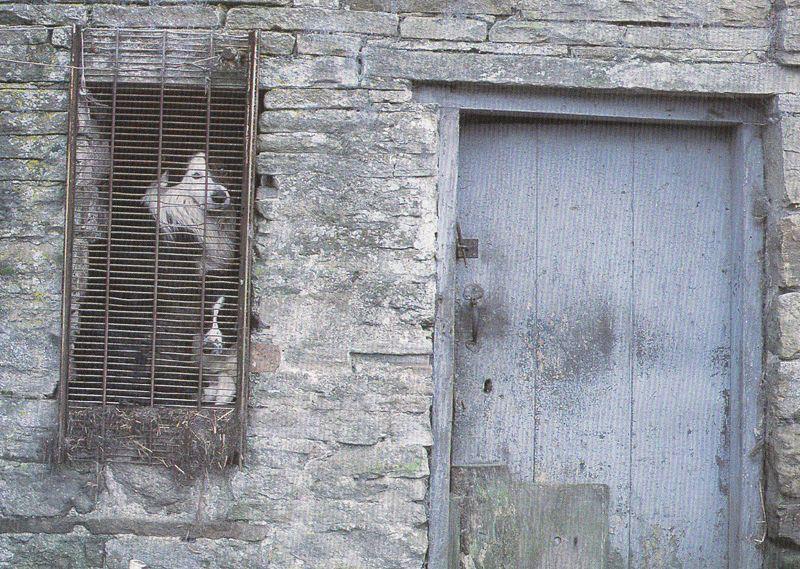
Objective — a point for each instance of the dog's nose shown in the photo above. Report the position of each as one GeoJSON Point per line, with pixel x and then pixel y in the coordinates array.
{"type": "Point", "coordinates": [219, 197]}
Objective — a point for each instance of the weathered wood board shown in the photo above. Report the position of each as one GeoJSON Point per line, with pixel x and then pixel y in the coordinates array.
{"type": "Point", "coordinates": [502, 524]}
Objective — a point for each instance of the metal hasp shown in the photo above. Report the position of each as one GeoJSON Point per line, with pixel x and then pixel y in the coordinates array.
{"type": "Point", "coordinates": [465, 248]}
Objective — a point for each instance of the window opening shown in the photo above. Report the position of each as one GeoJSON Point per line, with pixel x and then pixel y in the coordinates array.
{"type": "Point", "coordinates": [159, 209]}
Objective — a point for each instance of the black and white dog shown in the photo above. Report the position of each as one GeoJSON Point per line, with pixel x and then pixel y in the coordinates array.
{"type": "Point", "coordinates": [198, 223]}
{"type": "Point", "coordinates": [139, 343]}
{"type": "Point", "coordinates": [197, 206]}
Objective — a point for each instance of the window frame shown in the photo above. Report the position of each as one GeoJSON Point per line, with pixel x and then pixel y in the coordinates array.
{"type": "Point", "coordinates": [246, 234]}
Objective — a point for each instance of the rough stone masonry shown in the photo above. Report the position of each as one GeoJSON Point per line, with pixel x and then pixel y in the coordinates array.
{"type": "Point", "coordinates": [344, 280]}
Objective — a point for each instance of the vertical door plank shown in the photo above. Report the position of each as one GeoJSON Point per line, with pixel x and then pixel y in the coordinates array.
{"type": "Point", "coordinates": [444, 359]}
{"type": "Point", "coordinates": [681, 371]}
{"type": "Point", "coordinates": [582, 336]}
{"type": "Point", "coordinates": [494, 394]}
{"type": "Point", "coordinates": [747, 297]}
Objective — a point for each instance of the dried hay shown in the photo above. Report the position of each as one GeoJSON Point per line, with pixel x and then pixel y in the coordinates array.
{"type": "Point", "coordinates": [190, 441]}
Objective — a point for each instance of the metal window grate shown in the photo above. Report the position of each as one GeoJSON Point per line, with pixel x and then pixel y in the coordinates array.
{"type": "Point", "coordinates": [159, 211]}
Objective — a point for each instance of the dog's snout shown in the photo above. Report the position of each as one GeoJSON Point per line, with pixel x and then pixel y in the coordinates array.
{"type": "Point", "coordinates": [219, 197]}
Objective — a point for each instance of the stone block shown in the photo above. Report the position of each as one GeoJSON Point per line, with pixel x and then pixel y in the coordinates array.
{"type": "Point", "coordinates": [791, 176]}
{"type": "Point", "coordinates": [27, 428]}
{"type": "Point", "coordinates": [446, 7]}
{"type": "Point", "coordinates": [169, 553]}
{"type": "Point", "coordinates": [785, 458]}
{"type": "Point", "coordinates": [28, 14]}
{"type": "Point", "coordinates": [40, 490]}
{"type": "Point", "coordinates": [304, 71]}
{"type": "Point", "coordinates": [393, 390]}
{"type": "Point", "coordinates": [455, 29]}
{"type": "Point", "coordinates": [565, 72]}
{"type": "Point", "coordinates": [784, 329]}
{"type": "Point", "coordinates": [782, 153]}
{"type": "Point", "coordinates": [698, 38]}
{"type": "Point", "coordinates": [373, 166]}
{"type": "Point", "coordinates": [400, 127]}
{"type": "Point", "coordinates": [790, 126]}
{"type": "Point", "coordinates": [61, 37]}
{"type": "Point", "coordinates": [49, 64]}
{"type": "Point", "coordinates": [510, 48]}
{"type": "Point", "coordinates": [76, 550]}
{"type": "Point", "coordinates": [786, 251]}
{"type": "Point", "coordinates": [264, 357]}
{"type": "Point", "coordinates": [26, 98]}
{"type": "Point", "coordinates": [385, 459]}
{"type": "Point", "coordinates": [30, 123]}
{"type": "Point", "coordinates": [724, 13]}
{"type": "Point", "coordinates": [669, 55]}
{"type": "Point", "coordinates": [788, 57]}
{"type": "Point", "coordinates": [383, 515]}
{"type": "Point", "coordinates": [315, 98]}
{"type": "Point", "coordinates": [784, 523]}
{"type": "Point", "coordinates": [784, 390]}
{"type": "Point", "coordinates": [29, 353]}
{"type": "Point", "coordinates": [174, 17]}
{"type": "Point", "coordinates": [332, 4]}
{"type": "Point", "coordinates": [153, 500]}
{"type": "Point", "coordinates": [339, 426]}
{"type": "Point", "coordinates": [376, 548]}
{"type": "Point", "coordinates": [37, 258]}
{"type": "Point", "coordinates": [262, 494]}
{"type": "Point", "coordinates": [276, 43]}
{"type": "Point", "coordinates": [49, 147]}
{"type": "Point", "coordinates": [788, 32]}
{"type": "Point", "coordinates": [32, 168]}
{"type": "Point", "coordinates": [23, 36]}
{"type": "Point", "coordinates": [789, 560]}
{"type": "Point", "coordinates": [31, 208]}
{"type": "Point", "coordinates": [328, 44]}
{"type": "Point", "coordinates": [283, 142]}
{"type": "Point", "coordinates": [787, 104]}
{"type": "Point", "coordinates": [378, 139]}
{"type": "Point", "coordinates": [312, 20]}
{"type": "Point", "coordinates": [525, 31]}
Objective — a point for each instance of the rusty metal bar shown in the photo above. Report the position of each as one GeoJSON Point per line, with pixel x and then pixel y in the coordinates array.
{"type": "Point", "coordinates": [246, 234]}
{"type": "Point", "coordinates": [112, 137]}
{"type": "Point", "coordinates": [104, 389]}
{"type": "Point", "coordinates": [205, 226]}
{"type": "Point", "coordinates": [69, 232]}
{"type": "Point", "coordinates": [158, 216]}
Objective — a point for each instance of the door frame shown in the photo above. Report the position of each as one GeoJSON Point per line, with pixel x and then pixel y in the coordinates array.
{"type": "Point", "coordinates": [747, 527]}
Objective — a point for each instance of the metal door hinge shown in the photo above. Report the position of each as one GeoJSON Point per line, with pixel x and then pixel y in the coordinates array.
{"type": "Point", "coordinates": [465, 248]}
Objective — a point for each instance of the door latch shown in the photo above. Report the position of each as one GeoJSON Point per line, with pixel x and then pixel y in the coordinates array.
{"type": "Point", "coordinates": [473, 293]}
{"type": "Point", "coordinates": [465, 248]}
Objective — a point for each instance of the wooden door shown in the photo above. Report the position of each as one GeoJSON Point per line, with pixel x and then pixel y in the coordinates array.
{"type": "Point", "coordinates": [594, 332]}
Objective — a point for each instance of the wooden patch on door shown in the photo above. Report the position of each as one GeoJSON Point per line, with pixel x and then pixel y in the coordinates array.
{"type": "Point", "coordinates": [497, 523]}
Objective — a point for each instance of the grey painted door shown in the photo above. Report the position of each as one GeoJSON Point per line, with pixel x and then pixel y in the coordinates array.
{"type": "Point", "coordinates": [600, 350]}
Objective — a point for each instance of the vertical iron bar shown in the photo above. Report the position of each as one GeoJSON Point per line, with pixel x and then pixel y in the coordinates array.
{"type": "Point", "coordinates": [205, 223]}
{"type": "Point", "coordinates": [69, 235]}
{"type": "Point", "coordinates": [245, 236]}
{"type": "Point", "coordinates": [112, 140]}
{"type": "Point", "coordinates": [158, 218]}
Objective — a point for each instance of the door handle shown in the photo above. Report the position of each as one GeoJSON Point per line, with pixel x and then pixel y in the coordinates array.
{"type": "Point", "coordinates": [473, 293]}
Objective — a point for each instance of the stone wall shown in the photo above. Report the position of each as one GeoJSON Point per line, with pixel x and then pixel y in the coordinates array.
{"type": "Point", "coordinates": [344, 278]}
